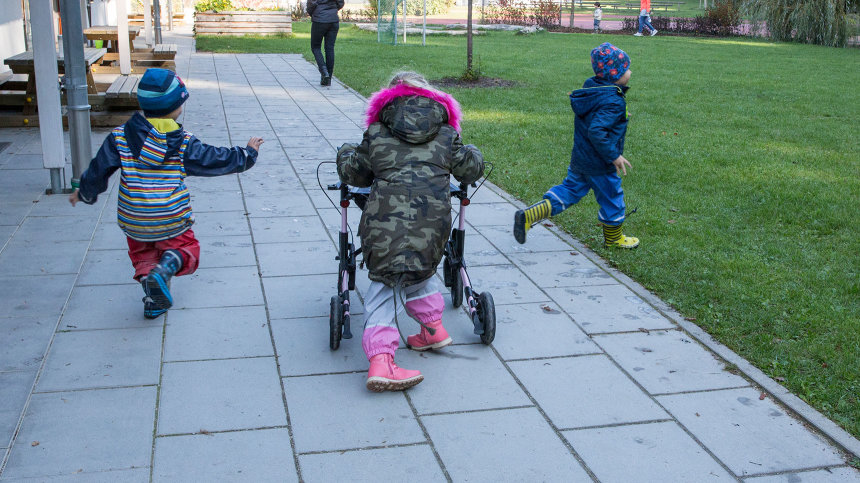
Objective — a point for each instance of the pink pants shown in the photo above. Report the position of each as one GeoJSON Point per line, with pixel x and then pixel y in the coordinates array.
{"type": "Point", "coordinates": [146, 255]}
{"type": "Point", "coordinates": [381, 336]}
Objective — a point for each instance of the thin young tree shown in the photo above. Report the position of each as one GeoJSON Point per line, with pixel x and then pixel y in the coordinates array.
{"type": "Point", "coordinates": [469, 74]}
{"type": "Point", "coordinates": [822, 22]}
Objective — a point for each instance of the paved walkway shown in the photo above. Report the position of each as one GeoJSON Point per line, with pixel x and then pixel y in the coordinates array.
{"type": "Point", "coordinates": [589, 378]}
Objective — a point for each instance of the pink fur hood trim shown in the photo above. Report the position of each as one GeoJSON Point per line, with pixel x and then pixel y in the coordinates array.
{"type": "Point", "coordinates": [381, 98]}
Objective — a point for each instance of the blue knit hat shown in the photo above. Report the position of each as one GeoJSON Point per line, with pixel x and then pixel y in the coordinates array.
{"type": "Point", "coordinates": [609, 62]}
{"type": "Point", "coordinates": [160, 92]}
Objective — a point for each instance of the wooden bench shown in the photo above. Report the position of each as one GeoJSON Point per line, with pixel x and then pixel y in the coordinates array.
{"type": "Point", "coordinates": [123, 87]}
{"type": "Point", "coordinates": [162, 55]}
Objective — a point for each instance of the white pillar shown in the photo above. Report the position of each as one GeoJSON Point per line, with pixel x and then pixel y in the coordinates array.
{"type": "Point", "coordinates": [47, 86]}
{"type": "Point", "coordinates": [122, 37]}
{"type": "Point", "coordinates": [147, 21]}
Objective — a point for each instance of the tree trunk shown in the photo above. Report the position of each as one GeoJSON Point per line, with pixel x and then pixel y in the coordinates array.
{"type": "Point", "coordinates": [572, 6]}
{"type": "Point", "coordinates": [469, 41]}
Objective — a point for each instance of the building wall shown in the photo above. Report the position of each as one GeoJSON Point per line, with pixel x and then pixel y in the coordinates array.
{"type": "Point", "coordinates": [11, 30]}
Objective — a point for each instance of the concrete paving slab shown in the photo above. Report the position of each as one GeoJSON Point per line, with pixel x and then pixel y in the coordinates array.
{"type": "Point", "coordinates": [316, 292]}
{"type": "Point", "coordinates": [566, 268]}
{"type": "Point", "coordinates": [107, 267]}
{"type": "Point", "coordinates": [102, 358]}
{"type": "Point", "coordinates": [539, 239]}
{"type": "Point", "coordinates": [123, 308]}
{"type": "Point", "coordinates": [528, 331]}
{"type": "Point", "coordinates": [83, 432]}
{"type": "Point", "coordinates": [585, 391]}
{"type": "Point", "coordinates": [303, 347]}
{"type": "Point", "coordinates": [217, 287]}
{"type": "Point", "coordinates": [220, 395]}
{"type": "Point", "coordinates": [288, 204]}
{"type": "Point", "coordinates": [507, 284]}
{"type": "Point", "coordinates": [285, 229]}
{"type": "Point", "coordinates": [258, 456]}
{"type": "Point", "coordinates": [296, 258]}
{"type": "Point", "coordinates": [608, 308]}
{"type": "Point", "coordinates": [108, 236]}
{"type": "Point", "coordinates": [209, 201]}
{"type": "Point", "coordinates": [34, 296]}
{"type": "Point", "coordinates": [137, 475]}
{"type": "Point", "coordinates": [403, 463]}
{"type": "Point", "coordinates": [66, 229]}
{"type": "Point", "coordinates": [750, 435]}
{"type": "Point", "coordinates": [668, 361]}
{"type": "Point", "coordinates": [215, 183]}
{"type": "Point", "coordinates": [216, 225]}
{"type": "Point", "coordinates": [227, 251]}
{"type": "Point", "coordinates": [12, 213]}
{"type": "Point", "coordinates": [58, 205]}
{"type": "Point", "coordinates": [42, 257]}
{"type": "Point", "coordinates": [16, 388]}
{"type": "Point", "coordinates": [461, 378]}
{"type": "Point", "coordinates": [645, 452]}
{"type": "Point", "coordinates": [217, 333]}
{"type": "Point", "coordinates": [512, 445]}
{"type": "Point", "coordinates": [24, 341]}
{"type": "Point", "coordinates": [844, 474]}
{"type": "Point", "coordinates": [337, 412]}
{"type": "Point", "coordinates": [480, 252]}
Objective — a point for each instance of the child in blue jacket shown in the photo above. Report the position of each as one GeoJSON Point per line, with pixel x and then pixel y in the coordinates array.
{"type": "Point", "coordinates": [598, 144]}
{"type": "Point", "coordinates": [154, 154]}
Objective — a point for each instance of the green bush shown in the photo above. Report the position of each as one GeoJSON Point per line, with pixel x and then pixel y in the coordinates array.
{"type": "Point", "coordinates": [213, 6]}
{"type": "Point", "coordinates": [434, 7]}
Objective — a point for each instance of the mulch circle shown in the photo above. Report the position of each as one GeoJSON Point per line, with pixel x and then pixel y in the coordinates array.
{"type": "Point", "coordinates": [468, 84]}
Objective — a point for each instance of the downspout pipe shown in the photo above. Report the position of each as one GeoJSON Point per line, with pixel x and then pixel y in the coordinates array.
{"type": "Point", "coordinates": [75, 84]}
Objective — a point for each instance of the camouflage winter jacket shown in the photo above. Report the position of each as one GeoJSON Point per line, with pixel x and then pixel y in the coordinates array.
{"type": "Point", "coordinates": [410, 149]}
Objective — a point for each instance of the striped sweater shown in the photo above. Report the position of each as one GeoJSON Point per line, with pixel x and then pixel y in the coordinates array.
{"type": "Point", "coordinates": [154, 203]}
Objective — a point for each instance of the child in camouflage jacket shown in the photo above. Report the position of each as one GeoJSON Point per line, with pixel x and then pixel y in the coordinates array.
{"type": "Point", "coordinates": [410, 148]}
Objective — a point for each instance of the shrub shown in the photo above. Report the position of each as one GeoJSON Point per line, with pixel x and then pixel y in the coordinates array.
{"type": "Point", "coordinates": [434, 7]}
{"type": "Point", "coordinates": [823, 22]}
{"type": "Point", "coordinates": [298, 10]}
{"type": "Point", "coordinates": [546, 13]}
{"type": "Point", "coordinates": [213, 6]}
{"type": "Point", "coordinates": [506, 11]}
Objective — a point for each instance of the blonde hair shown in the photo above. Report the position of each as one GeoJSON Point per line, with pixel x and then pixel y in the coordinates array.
{"type": "Point", "coordinates": [410, 78]}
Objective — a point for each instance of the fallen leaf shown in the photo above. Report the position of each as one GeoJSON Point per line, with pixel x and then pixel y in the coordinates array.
{"type": "Point", "coordinates": [762, 396]}
{"type": "Point", "coordinates": [779, 379]}
{"type": "Point", "coordinates": [664, 133]}
{"type": "Point", "coordinates": [691, 319]}
{"type": "Point", "coordinates": [548, 225]}
{"type": "Point", "coordinates": [824, 365]}
{"type": "Point", "coordinates": [676, 134]}
{"type": "Point", "coordinates": [203, 431]}
{"type": "Point", "coordinates": [574, 253]}
{"type": "Point", "coordinates": [643, 329]}
{"type": "Point", "coordinates": [548, 309]}
{"type": "Point", "coordinates": [697, 415]}
{"type": "Point", "coordinates": [34, 443]}
{"type": "Point", "coordinates": [671, 221]}
{"type": "Point", "coordinates": [673, 209]}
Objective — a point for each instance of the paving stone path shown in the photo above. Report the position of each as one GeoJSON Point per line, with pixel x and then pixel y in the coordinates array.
{"type": "Point", "coordinates": [589, 377]}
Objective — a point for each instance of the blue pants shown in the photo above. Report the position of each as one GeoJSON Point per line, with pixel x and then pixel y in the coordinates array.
{"type": "Point", "coordinates": [607, 190]}
{"type": "Point", "coordinates": [645, 21]}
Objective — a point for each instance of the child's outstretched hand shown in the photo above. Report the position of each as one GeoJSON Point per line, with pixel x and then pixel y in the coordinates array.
{"type": "Point", "coordinates": [74, 198]}
{"type": "Point", "coordinates": [621, 164]}
{"type": "Point", "coordinates": [255, 143]}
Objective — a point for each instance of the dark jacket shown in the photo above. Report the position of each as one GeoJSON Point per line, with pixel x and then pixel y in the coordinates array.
{"type": "Point", "coordinates": [599, 127]}
{"type": "Point", "coordinates": [324, 11]}
{"type": "Point", "coordinates": [407, 158]}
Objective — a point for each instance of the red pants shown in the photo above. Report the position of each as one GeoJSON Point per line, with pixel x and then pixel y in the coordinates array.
{"type": "Point", "coordinates": [146, 255]}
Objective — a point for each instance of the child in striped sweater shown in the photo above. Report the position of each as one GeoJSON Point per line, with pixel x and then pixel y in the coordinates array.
{"type": "Point", "coordinates": [154, 154]}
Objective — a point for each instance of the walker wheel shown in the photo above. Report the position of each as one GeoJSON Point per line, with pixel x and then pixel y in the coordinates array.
{"type": "Point", "coordinates": [487, 316]}
{"type": "Point", "coordinates": [335, 323]}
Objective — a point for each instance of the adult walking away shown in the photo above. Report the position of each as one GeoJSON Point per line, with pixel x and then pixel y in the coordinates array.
{"type": "Point", "coordinates": [324, 25]}
{"type": "Point", "coordinates": [645, 18]}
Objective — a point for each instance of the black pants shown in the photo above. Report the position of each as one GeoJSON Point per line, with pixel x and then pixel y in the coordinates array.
{"type": "Point", "coordinates": [327, 31]}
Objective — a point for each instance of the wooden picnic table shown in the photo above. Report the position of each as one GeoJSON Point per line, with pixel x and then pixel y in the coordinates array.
{"type": "Point", "coordinates": [109, 32]}
{"type": "Point", "coordinates": [23, 64]}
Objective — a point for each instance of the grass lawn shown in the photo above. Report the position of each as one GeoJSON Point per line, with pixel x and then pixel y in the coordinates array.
{"type": "Point", "coordinates": [746, 174]}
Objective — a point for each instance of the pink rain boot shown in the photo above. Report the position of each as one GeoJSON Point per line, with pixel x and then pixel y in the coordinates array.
{"type": "Point", "coordinates": [384, 375]}
{"type": "Point", "coordinates": [423, 341]}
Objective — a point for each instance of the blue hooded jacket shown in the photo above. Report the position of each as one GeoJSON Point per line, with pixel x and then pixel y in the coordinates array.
{"type": "Point", "coordinates": [599, 128]}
